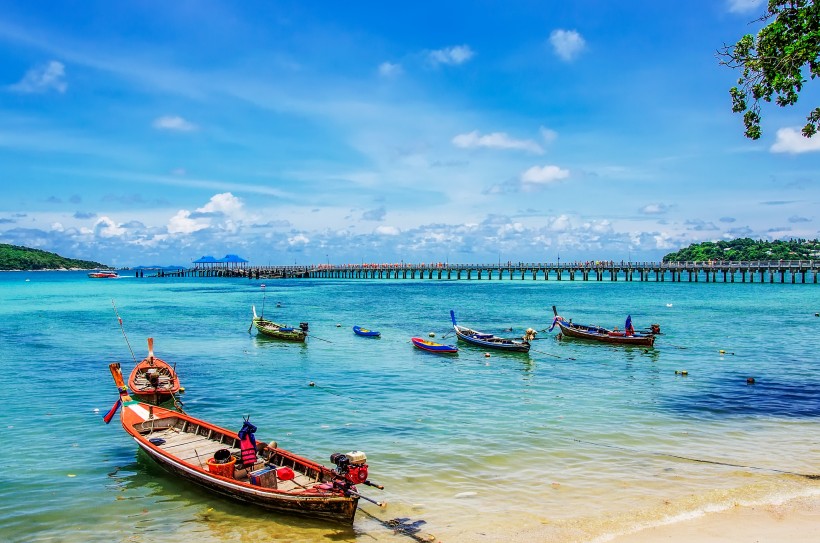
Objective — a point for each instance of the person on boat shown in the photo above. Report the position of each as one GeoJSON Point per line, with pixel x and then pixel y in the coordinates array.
{"type": "Point", "coordinates": [628, 329]}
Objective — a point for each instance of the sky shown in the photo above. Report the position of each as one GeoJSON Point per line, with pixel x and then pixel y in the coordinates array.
{"type": "Point", "coordinates": [155, 132]}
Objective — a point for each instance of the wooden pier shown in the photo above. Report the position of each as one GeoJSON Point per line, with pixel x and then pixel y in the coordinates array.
{"type": "Point", "coordinates": [763, 271]}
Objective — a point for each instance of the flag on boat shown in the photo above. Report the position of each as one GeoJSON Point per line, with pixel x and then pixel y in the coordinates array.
{"type": "Point", "coordinates": [110, 415]}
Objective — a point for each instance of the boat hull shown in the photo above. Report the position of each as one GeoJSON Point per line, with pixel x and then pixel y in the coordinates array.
{"type": "Point", "coordinates": [433, 347]}
{"type": "Point", "coordinates": [601, 335]}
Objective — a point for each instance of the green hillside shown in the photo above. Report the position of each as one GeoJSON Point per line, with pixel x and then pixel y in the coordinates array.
{"type": "Point", "coordinates": [14, 257]}
{"type": "Point", "coordinates": [748, 249]}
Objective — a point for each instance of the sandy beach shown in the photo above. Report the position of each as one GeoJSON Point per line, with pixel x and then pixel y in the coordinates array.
{"type": "Point", "coordinates": [795, 521]}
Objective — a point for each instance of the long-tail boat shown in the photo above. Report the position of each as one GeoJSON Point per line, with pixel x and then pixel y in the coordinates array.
{"type": "Point", "coordinates": [235, 465]}
{"type": "Point", "coordinates": [153, 380]}
{"type": "Point", "coordinates": [279, 331]}
{"type": "Point", "coordinates": [433, 347]}
{"type": "Point", "coordinates": [628, 336]}
{"type": "Point", "coordinates": [492, 341]}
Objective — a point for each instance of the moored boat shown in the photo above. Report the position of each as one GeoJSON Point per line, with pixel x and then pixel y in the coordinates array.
{"type": "Point", "coordinates": [628, 336]}
{"type": "Point", "coordinates": [364, 332]}
{"type": "Point", "coordinates": [433, 347]}
{"type": "Point", "coordinates": [492, 341]}
{"type": "Point", "coordinates": [228, 463]}
{"type": "Point", "coordinates": [104, 274]}
{"type": "Point", "coordinates": [153, 380]}
{"type": "Point", "coordinates": [279, 331]}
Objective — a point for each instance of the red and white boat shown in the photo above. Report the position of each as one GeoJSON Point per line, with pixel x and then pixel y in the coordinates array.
{"type": "Point", "coordinates": [106, 274]}
{"type": "Point", "coordinates": [153, 380]}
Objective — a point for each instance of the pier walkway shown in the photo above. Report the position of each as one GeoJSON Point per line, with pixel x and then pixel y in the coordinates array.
{"type": "Point", "coordinates": [757, 271]}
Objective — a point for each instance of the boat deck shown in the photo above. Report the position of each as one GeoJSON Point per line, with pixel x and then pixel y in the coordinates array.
{"type": "Point", "coordinates": [196, 448]}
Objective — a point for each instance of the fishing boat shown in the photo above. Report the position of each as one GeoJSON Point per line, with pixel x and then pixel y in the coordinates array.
{"type": "Point", "coordinates": [364, 332]}
{"type": "Point", "coordinates": [627, 336]}
{"type": "Point", "coordinates": [153, 380]}
{"type": "Point", "coordinates": [104, 274]}
{"type": "Point", "coordinates": [492, 341]}
{"type": "Point", "coordinates": [433, 347]}
{"type": "Point", "coordinates": [235, 465]}
{"type": "Point", "coordinates": [279, 331]}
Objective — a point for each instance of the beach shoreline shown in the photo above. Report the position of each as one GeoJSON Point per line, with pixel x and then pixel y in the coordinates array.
{"type": "Point", "coordinates": [794, 520]}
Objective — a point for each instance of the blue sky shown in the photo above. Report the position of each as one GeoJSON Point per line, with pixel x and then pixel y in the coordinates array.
{"type": "Point", "coordinates": [462, 131]}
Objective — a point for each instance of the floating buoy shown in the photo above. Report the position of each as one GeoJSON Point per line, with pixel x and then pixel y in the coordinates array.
{"type": "Point", "coordinates": [338, 325]}
{"type": "Point", "coordinates": [486, 355]}
{"type": "Point", "coordinates": [816, 314]}
{"type": "Point", "coordinates": [182, 390]}
{"type": "Point", "coordinates": [431, 334]}
{"type": "Point", "coordinates": [668, 305]}
{"type": "Point", "coordinates": [681, 372]}
{"type": "Point", "coordinates": [750, 380]}
{"type": "Point", "coordinates": [722, 351]}
{"type": "Point", "coordinates": [312, 384]}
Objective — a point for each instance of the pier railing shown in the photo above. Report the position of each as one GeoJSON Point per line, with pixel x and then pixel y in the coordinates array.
{"type": "Point", "coordinates": [754, 271]}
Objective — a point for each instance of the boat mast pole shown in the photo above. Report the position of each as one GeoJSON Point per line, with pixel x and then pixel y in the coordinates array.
{"type": "Point", "coordinates": [123, 331]}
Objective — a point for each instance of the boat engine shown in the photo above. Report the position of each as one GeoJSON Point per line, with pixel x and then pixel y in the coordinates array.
{"type": "Point", "coordinates": [303, 326]}
{"type": "Point", "coordinates": [351, 466]}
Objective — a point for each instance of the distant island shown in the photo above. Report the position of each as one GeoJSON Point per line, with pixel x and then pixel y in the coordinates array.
{"type": "Point", "coordinates": [15, 257]}
{"type": "Point", "coordinates": [747, 249]}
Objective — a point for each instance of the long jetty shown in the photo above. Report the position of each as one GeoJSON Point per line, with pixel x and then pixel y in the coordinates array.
{"type": "Point", "coordinates": [757, 271]}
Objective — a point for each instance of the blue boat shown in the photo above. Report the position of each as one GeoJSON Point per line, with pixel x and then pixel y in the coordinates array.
{"type": "Point", "coordinates": [359, 331]}
{"type": "Point", "coordinates": [491, 341]}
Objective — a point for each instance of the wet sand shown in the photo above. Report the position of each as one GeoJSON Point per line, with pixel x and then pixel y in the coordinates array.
{"type": "Point", "coordinates": [795, 521]}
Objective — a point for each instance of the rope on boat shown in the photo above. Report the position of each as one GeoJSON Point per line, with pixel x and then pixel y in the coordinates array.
{"type": "Point", "coordinates": [812, 476]}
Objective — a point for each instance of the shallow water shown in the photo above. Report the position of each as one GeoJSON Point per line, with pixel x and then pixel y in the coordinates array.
{"type": "Point", "coordinates": [572, 442]}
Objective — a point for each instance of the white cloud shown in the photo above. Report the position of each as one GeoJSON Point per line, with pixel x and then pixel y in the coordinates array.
{"type": "Point", "coordinates": [42, 79]}
{"type": "Point", "coordinates": [388, 69]}
{"type": "Point", "coordinates": [182, 223]}
{"type": "Point", "coordinates": [299, 240]}
{"type": "Point", "coordinates": [654, 209]}
{"type": "Point", "coordinates": [107, 228]}
{"type": "Point", "coordinates": [538, 176]}
{"type": "Point", "coordinates": [451, 55]}
{"type": "Point", "coordinates": [174, 123]}
{"type": "Point", "coordinates": [567, 44]}
{"type": "Point", "coordinates": [225, 203]}
{"type": "Point", "coordinates": [387, 231]}
{"type": "Point", "coordinates": [496, 140]}
{"type": "Point", "coordinates": [790, 140]}
{"type": "Point", "coordinates": [744, 6]}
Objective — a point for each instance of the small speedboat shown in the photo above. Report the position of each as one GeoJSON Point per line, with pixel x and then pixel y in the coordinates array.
{"type": "Point", "coordinates": [433, 347]}
{"type": "Point", "coordinates": [364, 332]}
{"type": "Point", "coordinates": [105, 274]}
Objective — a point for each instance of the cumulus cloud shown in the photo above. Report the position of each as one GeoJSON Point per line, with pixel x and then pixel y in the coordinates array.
{"type": "Point", "coordinates": [496, 140]}
{"type": "Point", "coordinates": [796, 219]}
{"type": "Point", "coordinates": [226, 204]}
{"type": "Point", "coordinates": [539, 176]}
{"type": "Point", "coordinates": [388, 69]}
{"type": "Point", "coordinates": [567, 44]}
{"type": "Point", "coordinates": [387, 231]}
{"type": "Point", "coordinates": [107, 228]}
{"type": "Point", "coordinates": [41, 79]}
{"type": "Point", "coordinates": [744, 6]}
{"type": "Point", "coordinates": [790, 140]}
{"type": "Point", "coordinates": [174, 123]}
{"type": "Point", "coordinates": [458, 54]}
{"type": "Point", "coordinates": [220, 205]}
{"type": "Point", "coordinates": [654, 209]}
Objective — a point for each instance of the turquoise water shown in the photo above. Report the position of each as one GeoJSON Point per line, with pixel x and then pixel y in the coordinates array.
{"type": "Point", "coordinates": [571, 442]}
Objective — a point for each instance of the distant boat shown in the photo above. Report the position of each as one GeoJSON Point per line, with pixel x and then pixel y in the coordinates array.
{"type": "Point", "coordinates": [103, 274]}
{"type": "Point", "coordinates": [279, 331]}
{"type": "Point", "coordinates": [359, 331]}
{"type": "Point", "coordinates": [230, 464]}
{"type": "Point", "coordinates": [628, 336]}
{"type": "Point", "coordinates": [433, 347]}
{"type": "Point", "coordinates": [153, 380]}
{"type": "Point", "coordinates": [491, 341]}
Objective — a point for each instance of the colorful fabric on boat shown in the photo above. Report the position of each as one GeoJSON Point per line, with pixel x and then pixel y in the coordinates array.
{"type": "Point", "coordinates": [628, 326]}
{"type": "Point", "coordinates": [247, 443]}
{"type": "Point", "coordinates": [554, 322]}
{"type": "Point", "coordinates": [110, 415]}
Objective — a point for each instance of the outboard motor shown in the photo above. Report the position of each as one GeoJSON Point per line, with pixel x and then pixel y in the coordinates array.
{"type": "Point", "coordinates": [303, 326]}
{"type": "Point", "coordinates": [351, 466]}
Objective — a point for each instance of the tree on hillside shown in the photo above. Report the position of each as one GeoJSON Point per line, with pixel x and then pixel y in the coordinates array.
{"type": "Point", "coordinates": [772, 62]}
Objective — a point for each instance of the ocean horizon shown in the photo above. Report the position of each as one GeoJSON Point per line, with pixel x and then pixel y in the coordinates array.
{"type": "Point", "coordinates": [572, 441]}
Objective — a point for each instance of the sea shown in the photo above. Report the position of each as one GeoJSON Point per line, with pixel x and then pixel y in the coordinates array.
{"type": "Point", "coordinates": [571, 442]}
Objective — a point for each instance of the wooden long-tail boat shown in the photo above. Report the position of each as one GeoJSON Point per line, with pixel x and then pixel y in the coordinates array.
{"type": "Point", "coordinates": [433, 347]}
{"type": "Point", "coordinates": [279, 331]}
{"type": "Point", "coordinates": [492, 341]}
{"type": "Point", "coordinates": [227, 463]}
{"type": "Point", "coordinates": [628, 336]}
{"type": "Point", "coordinates": [153, 380]}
